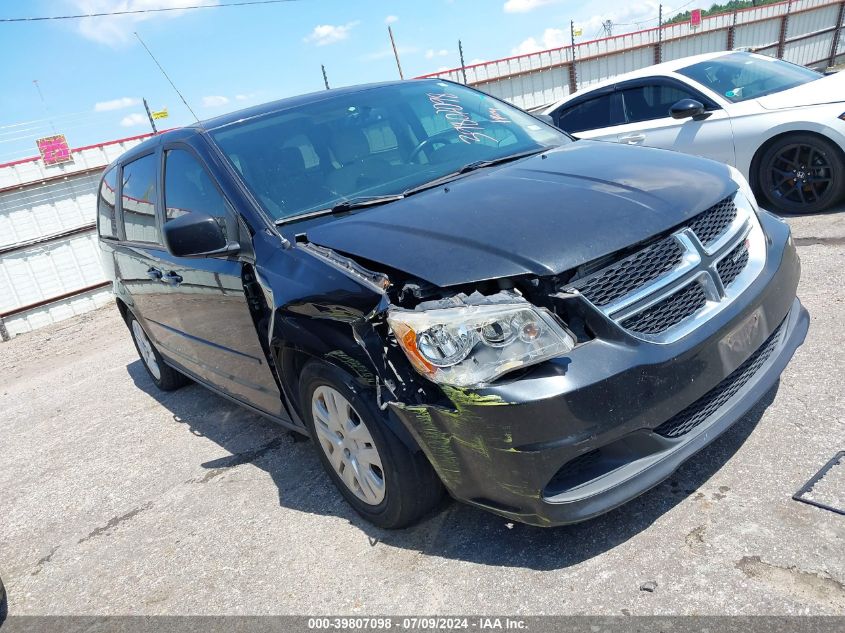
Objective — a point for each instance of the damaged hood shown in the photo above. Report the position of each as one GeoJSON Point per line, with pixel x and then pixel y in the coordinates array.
{"type": "Point", "coordinates": [540, 216]}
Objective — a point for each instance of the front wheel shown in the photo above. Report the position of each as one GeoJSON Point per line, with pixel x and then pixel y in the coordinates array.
{"type": "Point", "coordinates": [387, 483]}
{"type": "Point", "coordinates": [801, 173]}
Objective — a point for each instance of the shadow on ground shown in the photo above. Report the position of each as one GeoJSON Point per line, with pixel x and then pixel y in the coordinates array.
{"type": "Point", "coordinates": [455, 530]}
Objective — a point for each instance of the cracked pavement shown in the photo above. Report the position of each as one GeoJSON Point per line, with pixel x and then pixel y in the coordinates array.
{"type": "Point", "coordinates": [117, 499]}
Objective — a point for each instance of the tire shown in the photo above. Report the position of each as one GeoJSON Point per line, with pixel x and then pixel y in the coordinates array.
{"type": "Point", "coordinates": [801, 173]}
{"type": "Point", "coordinates": [163, 375]}
{"type": "Point", "coordinates": [410, 487]}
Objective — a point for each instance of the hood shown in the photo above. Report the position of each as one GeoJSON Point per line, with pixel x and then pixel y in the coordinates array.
{"type": "Point", "coordinates": [537, 216]}
{"type": "Point", "coordinates": [828, 89]}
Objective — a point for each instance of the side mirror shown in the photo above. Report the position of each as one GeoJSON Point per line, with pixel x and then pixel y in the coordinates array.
{"type": "Point", "coordinates": [686, 108]}
{"type": "Point", "coordinates": [545, 118]}
{"type": "Point", "coordinates": [196, 234]}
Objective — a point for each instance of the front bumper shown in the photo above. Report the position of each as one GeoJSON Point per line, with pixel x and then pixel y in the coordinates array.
{"type": "Point", "coordinates": [580, 435]}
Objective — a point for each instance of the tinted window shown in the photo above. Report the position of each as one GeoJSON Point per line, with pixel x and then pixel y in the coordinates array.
{"type": "Point", "coordinates": [382, 140]}
{"type": "Point", "coordinates": [591, 115]}
{"type": "Point", "coordinates": [742, 76]}
{"type": "Point", "coordinates": [138, 200]}
{"type": "Point", "coordinates": [188, 188]}
{"type": "Point", "coordinates": [106, 221]}
{"type": "Point", "coordinates": [652, 102]}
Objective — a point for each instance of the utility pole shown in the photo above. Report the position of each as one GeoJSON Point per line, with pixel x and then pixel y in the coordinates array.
{"type": "Point", "coordinates": [463, 66]}
{"type": "Point", "coordinates": [325, 77]}
{"type": "Point", "coordinates": [607, 27]}
{"type": "Point", "coordinates": [395, 53]}
{"type": "Point", "coordinates": [150, 116]}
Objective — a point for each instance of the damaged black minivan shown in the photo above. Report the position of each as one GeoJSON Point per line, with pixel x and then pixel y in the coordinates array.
{"type": "Point", "coordinates": [445, 292]}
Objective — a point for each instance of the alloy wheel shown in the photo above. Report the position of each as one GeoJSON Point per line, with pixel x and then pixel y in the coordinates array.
{"type": "Point", "coordinates": [801, 174]}
{"type": "Point", "coordinates": [145, 349]}
{"type": "Point", "coordinates": [347, 443]}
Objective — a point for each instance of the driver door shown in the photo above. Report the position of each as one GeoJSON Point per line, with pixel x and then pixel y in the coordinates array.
{"type": "Point", "coordinates": [646, 105]}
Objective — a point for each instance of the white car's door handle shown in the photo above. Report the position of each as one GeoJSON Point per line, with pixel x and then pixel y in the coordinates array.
{"type": "Point", "coordinates": [633, 139]}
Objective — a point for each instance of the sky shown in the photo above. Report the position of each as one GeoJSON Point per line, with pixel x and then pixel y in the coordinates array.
{"type": "Point", "coordinates": [93, 72]}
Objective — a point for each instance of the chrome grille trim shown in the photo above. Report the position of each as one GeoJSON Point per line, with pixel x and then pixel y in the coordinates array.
{"type": "Point", "coordinates": [699, 264]}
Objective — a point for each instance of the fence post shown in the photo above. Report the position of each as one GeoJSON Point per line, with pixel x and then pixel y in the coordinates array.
{"type": "Point", "coordinates": [732, 33]}
{"type": "Point", "coordinates": [573, 72]}
{"type": "Point", "coordinates": [784, 26]}
{"type": "Point", "coordinates": [836, 35]}
{"type": "Point", "coordinates": [658, 49]}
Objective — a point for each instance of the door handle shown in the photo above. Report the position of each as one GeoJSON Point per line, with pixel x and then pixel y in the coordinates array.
{"type": "Point", "coordinates": [172, 278]}
{"type": "Point", "coordinates": [633, 139]}
{"type": "Point", "coordinates": [153, 273]}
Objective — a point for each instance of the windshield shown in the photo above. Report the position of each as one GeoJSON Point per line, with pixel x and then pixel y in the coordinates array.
{"type": "Point", "coordinates": [378, 141]}
{"type": "Point", "coordinates": [743, 76]}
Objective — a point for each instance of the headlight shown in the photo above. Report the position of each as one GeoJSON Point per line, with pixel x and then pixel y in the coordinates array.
{"type": "Point", "coordinates": [744, 187]}
{"type": "Point", "coordinates": [474, 343]}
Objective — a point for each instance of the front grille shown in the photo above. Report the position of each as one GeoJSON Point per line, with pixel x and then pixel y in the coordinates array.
{"type": "Point", "coordinates": [630, 273]}
{"type": "Point", "coordinates": [730, 267]}
{"type": "Point", "coordinates": [713, 400]}
{"type": "Point", "coordinates": [668, 312]}
{"type": "Point", "coordinates": [680, 268]}
{"type": "Point", "coordinates": [712, 223]}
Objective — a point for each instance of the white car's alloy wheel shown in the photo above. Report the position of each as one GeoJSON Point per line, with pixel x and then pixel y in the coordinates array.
{"type": "Point", "coordinates": [145, 349]}
{"type": "Point", "coordinates": [347, 443]}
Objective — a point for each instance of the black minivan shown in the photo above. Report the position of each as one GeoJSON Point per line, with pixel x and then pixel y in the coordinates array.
{"type": "Point", "coordinates": [445, 292]}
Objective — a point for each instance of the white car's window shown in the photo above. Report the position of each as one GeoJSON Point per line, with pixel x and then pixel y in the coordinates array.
{"type": "Point", "coordinates": [593, 114]}
{"type": "Point", "coordinates": [742, 76]}
{"type": "Point", "coordinates": [646, 103]}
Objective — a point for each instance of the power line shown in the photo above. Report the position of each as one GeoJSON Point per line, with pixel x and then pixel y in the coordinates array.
{"type": "Point", "coordinates": [136, 11]}
{"type": "Point", "coordinates": [166, 76]}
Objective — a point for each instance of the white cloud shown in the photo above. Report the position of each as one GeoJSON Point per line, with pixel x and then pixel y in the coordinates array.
{"type": "Point", "coordinates": [324, 34]}
{"type": "Point", "coordinates": [431, 53]}
{"type": "Point", "coordinates": [523, 6]}
{"type": "Point", "coordinates": [475, 61]}
{"type": "Point", "coordinates": [134, 119]}
{"type": "Point", "coordinates": [116, 104]}
{"type": "Point", "coordinates": [627, 16]}
{"type": "Point", "coordinates": [215, 101]}
{"type": "Point", "coordinates": [551, 38]}
{"type": "Point", "coordinates": [390, 19]}
{"type": "Point", "coordinates": [116, 30]}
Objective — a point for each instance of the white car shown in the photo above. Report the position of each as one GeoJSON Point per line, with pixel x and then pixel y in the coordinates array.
{"type": "Point", "coordinates": [781, 125]}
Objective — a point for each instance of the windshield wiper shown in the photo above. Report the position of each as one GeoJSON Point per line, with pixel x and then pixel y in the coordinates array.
{"type": "Point", "coordinates": [349, 204]}
{"type": "Point", "coordinates": [470, 167]}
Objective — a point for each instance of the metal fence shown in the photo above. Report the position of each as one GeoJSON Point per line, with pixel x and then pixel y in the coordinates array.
{"type": "Point", "coordinates": [49, 255]}
{"type": "Point", "coordinates": [805, 32]}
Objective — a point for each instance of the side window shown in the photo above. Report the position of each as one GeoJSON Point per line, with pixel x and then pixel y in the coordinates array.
{"type": "Point", "coordinates": [137, 200]}
{"type": "Point", "coordinates": [188, 187]}
{"type": "Point", "coordinates": [106, 222]}
{"type": "Point", "coordinates": [651, 102]}
{"type": "Point", "coordinates": [591, 115]}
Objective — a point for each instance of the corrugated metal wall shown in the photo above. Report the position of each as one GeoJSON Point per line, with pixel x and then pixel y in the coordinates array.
{"type": "Point", "coordinates": [802, 31]}
{"type": "Point", "coordinates": [49, 256]}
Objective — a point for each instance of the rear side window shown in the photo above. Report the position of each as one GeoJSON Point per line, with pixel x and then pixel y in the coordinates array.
{"type": "Point", "coordinates": [652, 102]}
{"type": "Point", "coordinates": [591, 115]}
{"type": "Point", "coordinates": [106, 222]}
{"type": "Point", "coordinates": [189, 188]}
{"type": "Point", "coordinates": [138, 200]}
